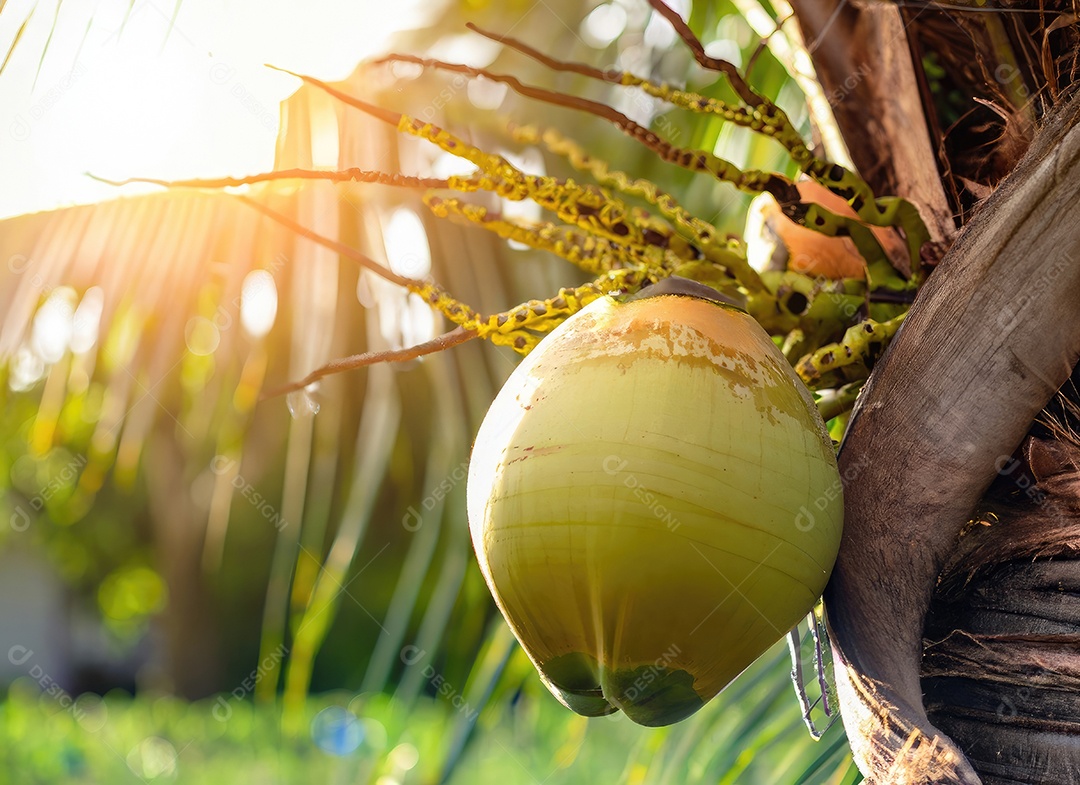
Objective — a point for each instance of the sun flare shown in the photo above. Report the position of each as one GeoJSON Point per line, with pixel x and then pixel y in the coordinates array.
{"type": "Point", "coordinates": [124, 90]}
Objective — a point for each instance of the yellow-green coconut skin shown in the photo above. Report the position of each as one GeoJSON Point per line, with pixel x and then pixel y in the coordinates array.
{"type": "Point", "coordinates": [654, 501]}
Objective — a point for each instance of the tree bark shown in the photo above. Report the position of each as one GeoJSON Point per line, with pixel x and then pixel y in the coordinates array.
{"type": "Point", "coordinates": [1001, 658]}
{"type": "Point", "coordinates": [991, 338]}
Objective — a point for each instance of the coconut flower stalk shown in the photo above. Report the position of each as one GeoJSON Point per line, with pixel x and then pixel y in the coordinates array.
{"type": "Point", "coordinates": [624, 247]}
{"type": "Point", "coordinates": [644, 555]}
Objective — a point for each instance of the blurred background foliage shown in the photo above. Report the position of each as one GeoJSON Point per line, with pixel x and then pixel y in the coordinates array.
{"type": "Point", "coordinates": [284, 591]}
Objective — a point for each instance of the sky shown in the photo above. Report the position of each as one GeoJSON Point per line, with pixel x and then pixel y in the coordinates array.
{"type": "Point", "coordinates": [150, 97]}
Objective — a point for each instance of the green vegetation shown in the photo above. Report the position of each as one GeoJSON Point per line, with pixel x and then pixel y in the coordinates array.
{"type": "Point", "coordinates": [751, 734]}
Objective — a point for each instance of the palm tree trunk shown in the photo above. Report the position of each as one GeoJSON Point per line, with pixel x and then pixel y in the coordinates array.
{"type": "Point", "coordinates": [991, 338]}
{"type": "Point", "coordinates": [1001, 670]}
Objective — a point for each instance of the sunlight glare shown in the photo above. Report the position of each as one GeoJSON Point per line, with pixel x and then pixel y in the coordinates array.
{"type": "Point", "coordinates": [51, 334]}
{"type": "Point", "coordinates": [258, 303]}
{"type": "Point", "coordinates": [603, 25]}
{"type": "Point", "coordinates": [448, 165]}
{"type": "Point", "coordinates": [406, 321]}
{"type": "Point", "coordinates": [468, 48]}
{"type": "Point", "coordinates": [417, 321]}
{"type": "Point", "coordinates": [140, 97]}
{"type": "Point", "coordinates": [202, 336]}
{"type": "Point", "coordinates": [87, 320]}
{"type": "Point", "coordinates": [486, 94]}
{"type": "Point", "coordinates": [406, 244]}
{"type": "Point", "coordinates": [658, 33]}
{"type": "Point", "coordinates": [26, 370]}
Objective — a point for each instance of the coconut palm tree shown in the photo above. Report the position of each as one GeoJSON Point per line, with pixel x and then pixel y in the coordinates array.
{"type": "Point", "coordinates": [279, 538]}
{"type": "Point", "coordinates": [966, 115]}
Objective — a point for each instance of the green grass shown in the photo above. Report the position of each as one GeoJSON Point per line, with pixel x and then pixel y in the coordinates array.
{"type": "Point", "coordinates": [751, 734]}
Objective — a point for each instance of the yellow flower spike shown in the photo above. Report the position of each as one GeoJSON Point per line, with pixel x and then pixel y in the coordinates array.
{"type": "Point", "coordinates": [587, 207]}
{"type": "Point", "coordinates": [727, 251]}
{"type": "Point", "coordinates": [645, 554]}
{"type": "Point", "coordinates": [601, 219]}
{"type": "Point", "coordinates": [591, 254]}
{"type": "Point", "coordinates": [760, 115]}
{"type": "Point", "coordinates": [518, 327]}
{"type": "Point", "coordinates": [440, 300]}
{"type": "Point", "coordinates": [862, 344]}
{"type": "Point", "coordinates": [753, 181]}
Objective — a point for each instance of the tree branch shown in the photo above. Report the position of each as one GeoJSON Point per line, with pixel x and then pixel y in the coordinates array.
{"type": "Point", "coordinates": [353, 175]}
{"type": "Point", "coordinates": [436, 344]}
